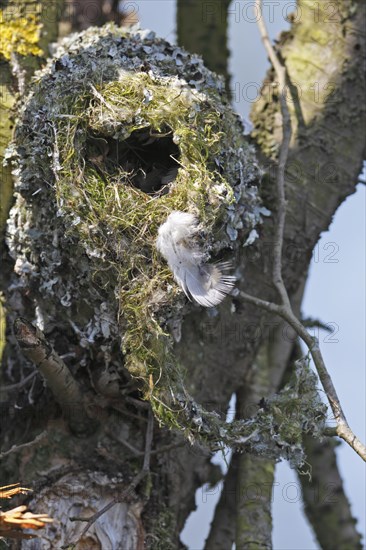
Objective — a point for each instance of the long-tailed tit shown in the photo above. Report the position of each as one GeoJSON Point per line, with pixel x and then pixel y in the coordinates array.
{"type": "Point", "coordinates": [205, 283]}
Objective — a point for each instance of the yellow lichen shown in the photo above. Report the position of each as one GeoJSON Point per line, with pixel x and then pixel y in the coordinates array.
{"type": "Point", "coordinates": [19, 35]}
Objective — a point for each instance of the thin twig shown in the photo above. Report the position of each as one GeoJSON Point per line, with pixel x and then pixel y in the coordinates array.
{"type": "Point", "coordinates": [136, 480]}
{"type": "Point", "coordinates": [20, 384]}
{"type": "Point", "coordinates": [282, 160]}
{"type": "Point", "coordinates": [16, 448]}
{"type": "Point", "coordinates": [148, 442]}
{"type": "Point", "coordinates": [137, 452]}
{"type": "Point", "coordinates": [285, 310]}
{"type": "Point", "coordinates": [128, 445]}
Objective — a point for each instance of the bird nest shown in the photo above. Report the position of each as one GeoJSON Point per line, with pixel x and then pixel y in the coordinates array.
{"type": "Point", "coordinates": [120, 129]}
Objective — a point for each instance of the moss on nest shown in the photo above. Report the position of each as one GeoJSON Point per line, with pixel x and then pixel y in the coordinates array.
{"type": "Point", "coordinates": [108, 207]}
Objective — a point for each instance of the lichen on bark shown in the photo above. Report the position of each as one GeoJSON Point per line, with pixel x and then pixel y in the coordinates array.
{"type": "Point", "coordinates": [20, 35]}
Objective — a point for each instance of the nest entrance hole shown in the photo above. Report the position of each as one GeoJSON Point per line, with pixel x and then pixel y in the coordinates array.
{"type": "Point", "coordinates": [147, 159]}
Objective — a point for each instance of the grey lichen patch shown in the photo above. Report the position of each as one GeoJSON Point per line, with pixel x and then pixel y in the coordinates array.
{"type": "Point", "coordinates": [276, 430]}
{"type": "Point", "coordinates": [284, 418]}
{"type": "Point", "coordinates": [119, 130]}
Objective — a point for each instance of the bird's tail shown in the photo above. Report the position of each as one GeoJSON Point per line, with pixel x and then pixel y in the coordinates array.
{"type": "Point", "coordinates": [208, 284]}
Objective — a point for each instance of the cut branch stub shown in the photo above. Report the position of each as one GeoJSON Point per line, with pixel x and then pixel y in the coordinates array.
{"type": "Point", "coordinates": [120, 130]}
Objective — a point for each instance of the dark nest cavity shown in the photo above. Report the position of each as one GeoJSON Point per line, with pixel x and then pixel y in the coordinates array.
{"type": "Point", "coordinates": [147, 159]}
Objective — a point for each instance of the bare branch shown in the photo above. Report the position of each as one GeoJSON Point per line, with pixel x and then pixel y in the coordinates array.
{"type": "Point", "coordinates": [16, 448]}
{"type": "Point", "coordinates": [343, 429]}
{"type": "Point", "coordinates": [325, 502]}
{"type": "Point", "coordinates": [20, 384]}
{"type": "Point", "coordinates": [222, 530]}
{"type": "Point", "coordinates": [283, 155]}
{"type": "Point", "coordinates": [148, 443]}
{"type": "Point", "coordinates": [64, 387]}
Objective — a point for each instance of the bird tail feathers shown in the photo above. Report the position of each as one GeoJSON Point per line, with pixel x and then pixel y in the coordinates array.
{"type": "Point", "coordinates": [206, 284]}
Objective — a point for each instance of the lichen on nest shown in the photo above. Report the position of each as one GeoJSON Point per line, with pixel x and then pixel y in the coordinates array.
{"type": "Point", "coordinates": [109, 206]}
{"type": "Point", "coordinates": [133, 128]}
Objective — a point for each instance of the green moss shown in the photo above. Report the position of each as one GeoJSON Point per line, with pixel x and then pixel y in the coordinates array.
{"type": "Point", "coordinates": [110, 213]}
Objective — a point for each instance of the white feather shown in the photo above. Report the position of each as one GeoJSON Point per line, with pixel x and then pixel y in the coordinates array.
{"type": "Point", "coordinates": [205, 283]}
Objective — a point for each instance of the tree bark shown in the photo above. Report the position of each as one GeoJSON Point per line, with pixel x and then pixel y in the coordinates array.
{"type": "Point", "coordinates": [202, 28]}
{"type": "Point", "coordinates": [326, 504]}
{"type": "Point", "coordinates": [27, 26]}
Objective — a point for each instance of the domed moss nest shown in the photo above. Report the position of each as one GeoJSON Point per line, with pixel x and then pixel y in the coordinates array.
{"type": "Point", "coordinates": [120, 129]}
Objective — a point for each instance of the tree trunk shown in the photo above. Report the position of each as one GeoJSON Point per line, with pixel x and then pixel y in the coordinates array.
{"type": "Point", "coordinates": [202, 29]}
